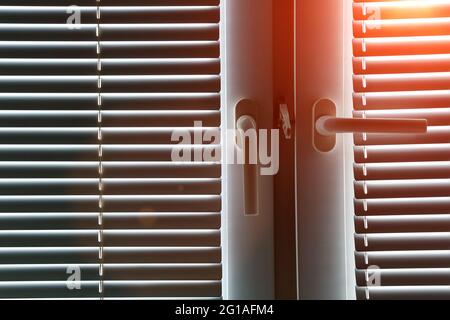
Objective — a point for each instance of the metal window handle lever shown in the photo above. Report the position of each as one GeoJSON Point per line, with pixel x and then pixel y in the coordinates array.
{"type": "Point", "coordinates": [246, 120]}
{"type": "Point", "coordinates": [326, 125]}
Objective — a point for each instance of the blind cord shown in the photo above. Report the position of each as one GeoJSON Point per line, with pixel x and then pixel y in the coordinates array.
{"type": "Point", "coordinates": [364, 136]}
{"type": "Point", "coordinates": [100, 153]}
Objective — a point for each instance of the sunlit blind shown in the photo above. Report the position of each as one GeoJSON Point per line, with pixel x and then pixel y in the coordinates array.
{"type": "Point", "coordinates": [402, 182]}
{"type": "Point", "coordinates": [91, 203]}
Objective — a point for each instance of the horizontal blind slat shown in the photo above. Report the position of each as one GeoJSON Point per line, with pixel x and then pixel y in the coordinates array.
{"type": "Point", "coordinates": [111, 186]}
{"type": "Point", "coordinates": [403, 64]}
{"type": "Point", "coordinates": [153, 49]}
{"type": "Point", "coordinates": [401, 100]}
{"type": "Point", "coordinates": [395, 82]}
{"type": "Point", "coordinates": [158, 169]}
{"type": "Point", "coordinates": [114, 67]}
{"type": "Point", "coordinates": [126, 220]}
{"type": "Point", "coordinates": [400, 9]}
{"type": "Point", "coordinates": [161, 101]}
{"type": "Point", "coordinates": [434, 117]}
{"type": "Point", "coordinates": [405, 293]}
{"type": "Point", "coordinates": [406, 223]}
{"type": "Point", "coordinates": [46, 273]}
{"type": "Point", "coordinates": [197, 203]}
{"type": "Point", "coordinates": [400, 28]}
{"type": "Point", "coordinates": [115, 238]}
{"type": "Point", "coordinates": [111, 101]}
{"type": "Point", "coordinates": [162, 289]}
{"type": "Point", "coordinates": [402, 241]}
{"type": "Point", "coordinates": [48, 49]}
{"type": "Point", "coordinates": [158, 32]}
{"type": "Point", "coordinates": [434, 135]}
{"type": "Point", "coordinates": [54, 289]}
{"type": "Point", "coordinates": [402, 153]}
{"type": "Point", "coordinates": [90, 272]}
{"type": "Point", "coordinates": [114, 255]}
{"type": "Point", "coordinates": [112, 2]}
{"type": "Point", "coordinates": [407, 277]}
{"type": "Point", "coordinates": [170, 119]}
{"type": "Point", "coordinates": [124, 14]}
{"type": "Point", "coordinates": [402, 206]}
{"type": "Point", "coordinates": [163, 255]}
{"type": "Point", "coordinates": [401, 46]}
{"type": "Point", "coordinates": [401, 189]}
{"type": "Point", "coordinates": [395, 171]}
{"type": "Point", "coordinates": [403, 259]}
{"type": "Point", "coordinates": [130, 272]}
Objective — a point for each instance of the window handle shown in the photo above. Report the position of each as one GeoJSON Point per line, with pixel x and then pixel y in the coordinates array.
{"type": "Point", "coordinates": [326, 125]}
{"type": "Point", "coordinates": [246, 121]}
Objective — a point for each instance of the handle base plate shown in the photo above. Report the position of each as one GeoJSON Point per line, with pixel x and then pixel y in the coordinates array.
{"type": "Point", "coordinates": [323, 107]}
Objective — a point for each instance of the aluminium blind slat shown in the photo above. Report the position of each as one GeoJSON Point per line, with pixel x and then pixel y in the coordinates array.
{"type": "Point", "coordinates": [199, 66]}
{"type": "Point", "coordinates": [126, 289]}
{"type": "Point", "coordinates": [111, 186]}
{"type": "Point", "coordinates": [160, 119]}
{"type": "Point", "coordinates": [119, 3]}
{"type": "Point", "coordinates": [113, 271]}
{"type": "Point", "coordinates": [437, 134]}
{"type": "Point", "coordinates": [401, 100]}
{"type": "Point", "coordinates": [55, 272]}
{"type": "Point", "coordinates": [136, 223]}
{"type": "Point", "coordinates": [126, 169]}
{"type": "Point", "coordinates": [400, 65]}
{"type": "Point", "coordinates": [161, 169]}
{"type": "Point", "coordinates": [401, 189]}
{"type": "Point", "coordinates": [110, 49]}
{"type": "Point", "coordinates": [155, 49]}
{"type": "Point", "coordinates": [396, 171]}
{"type": "Point", "coordinates": [200, 203]}
{"type": "Point", "coordinates": [138, 255]}
{"type": "Point", "coordinates": [402, 153]}
{"type": "Point", "coordinates": [195, 14]}
{"type": "Point", "coordinates": [401, 28]}
{"type": "Point", "coordinates": [394, 65]}
{"type": "Point", "coordinates": [405, 293]}
{"type": "Point", "coordinates": [403, 259]}
{"type": "Point", "coordinates": [406, 223]}
{"type": "Point", "coordinates": [52, 101]}
{"type": "Point", "coordinates": [117, 220]}
{"type": "Point", "coordinates": [52, 67]}
{"type": "Point", "coordinates": [162, 101]}
{"type": "Point", "coordinates": [435, 117]}
{"type": "Point", "coordinates": [409, 82]}
{"type": "Point", "coordinates": [173, 255]}
{"type": "Point", "coordinates": [150, 152]}
{"type": "Point", "coordinates": [410, 277]}
{"type": "Point", "coordinates": [388, 206]}
{"type": "Point", "coordinates": [112, 119]}
{"type": "Point", "coordinates": [48, 49]}
{"type": "Point", "coordinates": [130, 84]}
{"type": "Point", "coordinates": [403, 241]}
{"type": "Point", "coordinates": [397, 10]}
{"type": "Point", "coordinates": [119, 238]}
{"type": "Point", "coordinates": [110, 32]}
{"type": "Point", "coordinates": [151, 135]}
{"type": "Point", "coordinates": [401, 46]}
{"type": "Point", "coordinates": [46, 290]}
{"type": "Point", "coordinates": [47, 135]}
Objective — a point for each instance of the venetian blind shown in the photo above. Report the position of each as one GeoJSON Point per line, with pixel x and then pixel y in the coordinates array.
{"type": "Point", "coordinates": [402, 182]}
{"type": "Point", "coordinates": [91, 203]}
